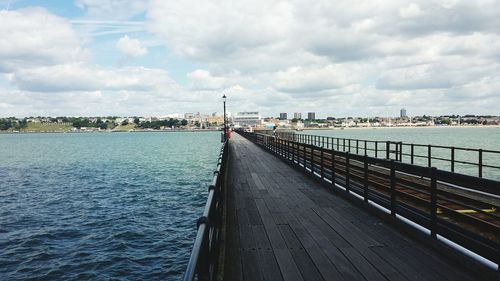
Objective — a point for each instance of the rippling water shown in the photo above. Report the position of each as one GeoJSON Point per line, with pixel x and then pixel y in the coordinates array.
{"type": "Point", "coordinates": [101, 206]}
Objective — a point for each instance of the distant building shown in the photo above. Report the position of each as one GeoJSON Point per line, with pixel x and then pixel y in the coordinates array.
{"type": "Point", "coordinates": [247, 119]}
{"type": "Point", "coordinates": [311, 116]}
{"type": "Point", "coordinates": [297, 115]}
{"type": "Point", "coordinates": [402, 113]}
{"type": "Point", "coordinates": [188, 116]}
{"type": "Point", "coordinates": [283, 116]}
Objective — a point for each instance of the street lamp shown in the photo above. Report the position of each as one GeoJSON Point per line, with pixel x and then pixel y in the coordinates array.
{"type": "Point", "coordinates": [225, 125]}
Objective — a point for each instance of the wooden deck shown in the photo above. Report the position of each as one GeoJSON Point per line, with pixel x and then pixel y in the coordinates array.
{"type": "Point", "coordinates": [282, 225]}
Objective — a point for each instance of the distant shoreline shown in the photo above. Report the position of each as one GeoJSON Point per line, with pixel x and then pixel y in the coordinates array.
{"type": "Point", "coordinates": [400, 127]}
{"type": "Point", "coordinates": [105, 131]}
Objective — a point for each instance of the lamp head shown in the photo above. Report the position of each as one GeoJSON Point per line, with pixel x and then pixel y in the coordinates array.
{"type": "Point", "coordinates": [224, 97]}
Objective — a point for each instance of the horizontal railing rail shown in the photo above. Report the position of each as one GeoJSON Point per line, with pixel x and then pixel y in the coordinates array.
{"type": "Point", "coordinates": [471, 161]}
{"type": "Point", "coordinates": [203, 262]}
{"type": "Point", "coordinates": [460, 208]}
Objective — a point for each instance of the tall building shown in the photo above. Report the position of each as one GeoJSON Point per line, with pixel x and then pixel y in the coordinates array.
{"type": "Point", "coordinates": [297, 115]}
{"type": "Point", "coordinates": [311, 116]}
{"type": "Point", "coordinates": [402, 113]}
{"type": "Point", "coordinates": [283, 116]}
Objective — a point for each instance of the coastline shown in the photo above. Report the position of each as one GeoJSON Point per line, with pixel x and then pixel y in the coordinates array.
{"type": "Point", "coordinates": [106, 131]}
{"type": "Point", "coordinates": [401, 127]}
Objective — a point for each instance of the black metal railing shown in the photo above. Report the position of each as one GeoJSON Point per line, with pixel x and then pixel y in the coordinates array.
{"type": "Point", "coordinates": [460, 208]}
{"type": "Point", "coordinates": [475, 162]}
{"type": "Point", "coordinates": [203, 262]}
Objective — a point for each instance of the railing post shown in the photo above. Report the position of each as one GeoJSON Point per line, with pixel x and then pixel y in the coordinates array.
{"type": "Point", "coordinates": [338, 144]}
{"type": "Point", "coordinates": [357, 146]}
{"type": "Point", "coordinates": [412, 152]}
{"type": "Point", "coordinates": [376, 149]}
{"type": "Point", "coordinates": [433, 202]}
{"type": "Point", "coordinates": [312, 159]}
{"type": "Point", "coordinates": [322, 165]}
{"type": "Point", "coordinates": [429, 156]}
{"type": "Point", "coordinates": [365, 185]}
{"type": "Point", "coordinates": [343, 145]}
{"type": "Point", "coordinates": [387, 150]}
{"type": "Point", "coordinates": [480, 163]}
{"type": "Point", "coordinates": [347, 176]}
{"type": "Point", "coordinates": [452, 159]}
{"type": "Point", "coordinates": [393, 188]}
{"type": "Point", "coordinates": [304, 161]}
{"type": "Point", "coordinates": [349, 148]}
{"type": "Point", "coordinates": [365, 148]}
{"type": "Point", "coordinates": [401, 151]}
{"type": "Point", "coordinates": [203, 267]}
{"type": "Point", "coordinates": [396, 153]}
{"type": "Point", "coordinates": [333, 167]}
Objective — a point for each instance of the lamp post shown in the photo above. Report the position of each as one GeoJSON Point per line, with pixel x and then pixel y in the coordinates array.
{"type": "Point", "coordinates": [225, 125]}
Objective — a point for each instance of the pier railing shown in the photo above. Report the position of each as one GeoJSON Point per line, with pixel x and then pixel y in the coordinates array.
{"type": "Point", "coordinates": [203, 262]}
{"type": "Point", "coordinates": [459, 208]}
{"type": "Point", "coordinates": [471, 161]}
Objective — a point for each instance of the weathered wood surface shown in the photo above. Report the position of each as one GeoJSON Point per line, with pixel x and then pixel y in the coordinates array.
{"type": "Point", "coordinates": [282, 225]}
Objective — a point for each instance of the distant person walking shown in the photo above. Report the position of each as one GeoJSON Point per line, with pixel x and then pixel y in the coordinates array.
{"type": "Point", "coordinates": [274, 131]}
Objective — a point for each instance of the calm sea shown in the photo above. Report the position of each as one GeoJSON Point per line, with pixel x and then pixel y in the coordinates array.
{"type": "Point", "coordinates": [472, 137]}
{"type": "Point", "coordinates": [101, 206]}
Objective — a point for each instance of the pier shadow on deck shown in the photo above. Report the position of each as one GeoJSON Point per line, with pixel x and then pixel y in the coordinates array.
{"type": "Point", "coordinates": [282, 225]}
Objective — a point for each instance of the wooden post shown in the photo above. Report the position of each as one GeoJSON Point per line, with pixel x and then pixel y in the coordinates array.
{"type": "Point", "coordinates": [452, 159]}
{"type": "Point", "coordinates": [322, 165]}
{"type": "Point", "coordinates": [333, 167]}
{"type": "Point", "coordinates": [365, 185]}
{"type": "Point", "coordinates": [393, 188]}
{"type": "Point", "coordinates": [433, 202]}
{"type": "Point", "coordinates": [480, 163]}
{"type": "Point", "coordinates": [429, 156]}
{"type": "Point", "coordinates": [387, 150]}
{"type": "Point", "coordinates": [312, 159]}
{"type": "Point", "coordinates": [412, 152]}
{"type": "Point", "coordinates": [347, 176]}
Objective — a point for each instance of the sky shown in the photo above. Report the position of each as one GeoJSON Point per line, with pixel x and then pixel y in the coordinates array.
{"type": "Point", "coordinates": [334, 57]}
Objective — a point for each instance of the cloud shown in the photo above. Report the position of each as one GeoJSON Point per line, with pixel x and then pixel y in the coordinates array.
{"type": "Point", "coordinates": [381, 55]}
{"type": "Point", "coordinates": [332, 57]}
{"type": "Point", "coordinates": [34, 37]}
{"type": "Point", "coordinates": [131, 47]}
{"type": "Point", "coordinates": [84, 77]}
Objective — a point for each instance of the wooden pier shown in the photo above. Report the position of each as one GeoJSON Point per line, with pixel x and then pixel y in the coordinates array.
{"type": "Point", "coordinates": [274, 219]}
{"type": "Point", "coordinates": [284, 226]}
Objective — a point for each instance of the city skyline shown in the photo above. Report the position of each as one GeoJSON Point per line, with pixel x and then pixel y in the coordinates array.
{"type": "Point", "coordinates": [132, 57]}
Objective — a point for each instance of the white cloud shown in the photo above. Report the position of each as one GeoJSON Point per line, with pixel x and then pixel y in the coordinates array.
{"type": "Point", "coordinates": [331, 57]}
{"type": "Point", "coordinates": [34, 37]}
{"type": "Point", "coordinates": [377, 54]}
{"type": "Point", "coordinates": [83, 77]}
{"type": "Point", "coordinates": [131, 47]}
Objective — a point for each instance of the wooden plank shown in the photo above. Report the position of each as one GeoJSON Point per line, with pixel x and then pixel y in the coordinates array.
{"type": "Point", "coordinates": [284, 258]}
{"type": "Point", "coordinates": [342, 264]}
{"type": "Point", "coordinates": [324, 265]}
{"type": "Point", "coordinates": [300, 256]}
{"type": "Point", "coordinates": [267, 261]}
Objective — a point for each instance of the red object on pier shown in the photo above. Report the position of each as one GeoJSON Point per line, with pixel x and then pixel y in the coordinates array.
{"type": "Point", "coordinates": [228, 134]}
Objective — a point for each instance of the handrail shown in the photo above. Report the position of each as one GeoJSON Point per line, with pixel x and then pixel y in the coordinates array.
{"type": "Point", "coordinates": [428, 155]}
{"type": "Point", "coordinates": [203, 262]}
{"type": "Point", "coordinates": [461, 208]}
